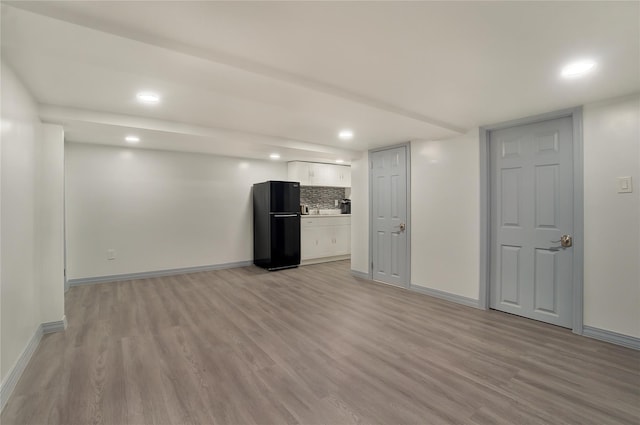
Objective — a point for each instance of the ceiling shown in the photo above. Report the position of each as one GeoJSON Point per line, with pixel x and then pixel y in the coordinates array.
{"type": "Point", "coordinates": [253, 78]}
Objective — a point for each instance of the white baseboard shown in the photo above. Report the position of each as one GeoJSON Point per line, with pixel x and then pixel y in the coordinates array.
{"type": "Point", "coordinates": [459, 299]}
{"type": "Point", "coordinates": [612, 337]}
{"type": "Point", "coordinates": [12, 378]}
{"type": "Point", "coordinates": [156, 273]}
{"type": "Point", "coordinates": [324, 259]}
{"type": "Point", "coordinates": [57, 326]}
{"type": "Point", "coordinates": [9, 384]}
{"type": "Point", "coordinates": [361, 275]}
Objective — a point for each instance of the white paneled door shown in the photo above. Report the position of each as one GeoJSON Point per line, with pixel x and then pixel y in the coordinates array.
{"type": "Point", "coordinates": [532, 220]}
{"type": "Point", "coordinates": [389, 239]}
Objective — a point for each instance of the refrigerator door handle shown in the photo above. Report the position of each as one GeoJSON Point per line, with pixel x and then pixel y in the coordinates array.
{"type": "Point", "coordinates": [285, 215]}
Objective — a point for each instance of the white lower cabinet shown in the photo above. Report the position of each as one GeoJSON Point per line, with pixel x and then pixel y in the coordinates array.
{"type": "Point", "coordinates": [325, 238]}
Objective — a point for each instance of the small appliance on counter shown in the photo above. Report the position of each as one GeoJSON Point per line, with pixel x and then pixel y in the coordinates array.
{"type": "Point", "coordinates": [345, 206]}
{"type": "Point", "coordinates": [276, 224]}
{"type": "Point", "coordinates": [304, 209]}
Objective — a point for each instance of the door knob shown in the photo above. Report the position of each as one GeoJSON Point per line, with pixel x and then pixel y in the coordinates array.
{"type": "Point", "coordinates": [402, 227]}
{"type": "Point", "coordinates": [565, 241]}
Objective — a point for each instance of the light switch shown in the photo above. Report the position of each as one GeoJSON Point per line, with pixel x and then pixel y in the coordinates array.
{"type": "Point", "coordinates": [111, 254]}
{"type": "Point", "coordinates": [625, 184]}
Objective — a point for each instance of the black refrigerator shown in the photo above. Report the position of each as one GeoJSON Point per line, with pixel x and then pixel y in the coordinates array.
{"type": "Point", "coordinates": [276, 224]}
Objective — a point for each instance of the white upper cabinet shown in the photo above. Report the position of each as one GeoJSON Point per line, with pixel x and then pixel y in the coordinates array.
{"type": "Point", "coordinates": [318, 174]}
{"type": "Point", "coordinates": [344, 176]}
{"type": "Point", "coordinates": [299, 172]}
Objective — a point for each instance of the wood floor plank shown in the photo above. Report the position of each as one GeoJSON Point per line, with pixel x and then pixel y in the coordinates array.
{"type": "Point", "coordinates": [312, 345]}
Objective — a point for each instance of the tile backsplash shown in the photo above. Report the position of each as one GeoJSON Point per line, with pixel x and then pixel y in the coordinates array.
{"type": "Point", "coordinates": [322, 197]}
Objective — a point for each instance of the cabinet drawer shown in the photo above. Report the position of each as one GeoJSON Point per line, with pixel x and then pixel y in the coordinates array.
{"type": "Point", "coordinates": [325, 221]}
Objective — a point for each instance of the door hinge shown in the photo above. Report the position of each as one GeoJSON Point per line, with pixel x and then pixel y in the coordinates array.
{"type": "Point", "coordinates": [372, 265]}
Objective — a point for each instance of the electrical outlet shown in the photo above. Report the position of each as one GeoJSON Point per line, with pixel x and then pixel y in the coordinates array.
{"type": "Point", "coordinates": [625, 184]}
{"type": "Point", "coordinates": [111, 254]}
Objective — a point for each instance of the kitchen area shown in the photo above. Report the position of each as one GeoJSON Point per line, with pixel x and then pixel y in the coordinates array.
{"type": "Point", "coordinates": [304, 220]}
{"type": "Point", "coordinates": [325, 225]}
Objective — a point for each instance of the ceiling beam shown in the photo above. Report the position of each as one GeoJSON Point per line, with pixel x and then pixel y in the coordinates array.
{"type": "Point", "coordinates": [65, 115]}
{"type": "Point", "coordinates": [234, 61]}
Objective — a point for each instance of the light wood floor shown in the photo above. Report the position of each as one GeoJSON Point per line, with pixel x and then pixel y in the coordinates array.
{"type": "Point", "coordinates": [312, 345]}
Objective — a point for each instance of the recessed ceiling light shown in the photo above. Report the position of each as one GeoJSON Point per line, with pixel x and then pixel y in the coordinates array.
{"type": "Point", "coordinates": [345, 135]}
{"type": "Point", "coordinates": [274, 156]}
{"type": "Point", "coordinates": [132, 139]}
{"type": "Point", "coordinates": [339, 161]}
{"type": "Point", "coordinates": [577, 69]}
{"type": "Point", "coordinates": [147, 97]}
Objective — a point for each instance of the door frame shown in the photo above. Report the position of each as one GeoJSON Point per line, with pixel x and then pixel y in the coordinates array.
{"type": "Point", "coordinates": [407, 146]}
{"type": "Point", "coordinates": [578, 207]}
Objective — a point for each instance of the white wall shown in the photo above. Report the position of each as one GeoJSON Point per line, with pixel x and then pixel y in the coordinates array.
{"type": "Point", "coordinates": [445, 224]}
{"type": "Point", "coordinates": [445, 203]}
{"type": "Point", "coordinates": [50, 226]}
{"type": "Point", "coordinates": [30, 223]}
{"type": "Point", "coordinates": [612, 220]}
{"type": "Point", "coordinates": [19, 291]}
{"type": "Point", "coordinates": [360, 215]}
{"type": "Point", "coordinates": [158, 210]}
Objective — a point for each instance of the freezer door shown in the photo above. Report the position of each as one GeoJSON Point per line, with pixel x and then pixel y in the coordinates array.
{"type": "Point", "coordinates": [285, 196]}
{"type": "Point", "coordinates": [285, 240]}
